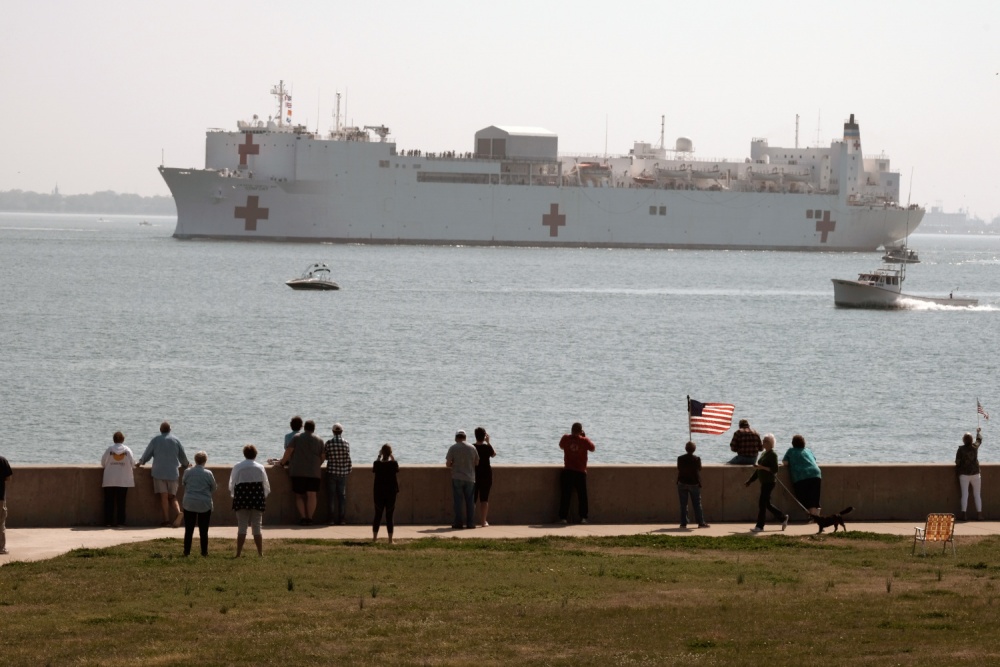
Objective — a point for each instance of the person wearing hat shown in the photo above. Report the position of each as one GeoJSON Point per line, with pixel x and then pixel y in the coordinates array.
{"type": "Point", "coordinates": [338, 468]}
{"type": "Point", "coordinates": [463, 458]}
{"type": "Point", "coordinates": [747, 444]}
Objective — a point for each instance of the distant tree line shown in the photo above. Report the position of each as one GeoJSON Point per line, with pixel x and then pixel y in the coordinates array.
{"type": "Point", "coordinates": [106, 202]}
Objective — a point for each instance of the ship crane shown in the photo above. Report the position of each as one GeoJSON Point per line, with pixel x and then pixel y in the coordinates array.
{"type": "Point", "coordinates": [381, 130]}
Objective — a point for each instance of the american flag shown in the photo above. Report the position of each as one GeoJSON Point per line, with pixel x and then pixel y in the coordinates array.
{"type": "Point", "coordinates": [713, 418]}
{"type": "Point", "coordinates": [979, 409]}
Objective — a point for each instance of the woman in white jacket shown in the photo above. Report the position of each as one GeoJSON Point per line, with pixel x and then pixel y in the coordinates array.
{"type": "Point", "coordinates": [118, 464]}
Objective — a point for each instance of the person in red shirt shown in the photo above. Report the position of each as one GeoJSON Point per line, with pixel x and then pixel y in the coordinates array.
{"type": "Point", "coordinates": [575, 446]}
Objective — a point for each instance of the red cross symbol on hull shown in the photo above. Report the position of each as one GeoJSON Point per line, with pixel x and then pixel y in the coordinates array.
{"type": "Point", "coordinates": [824, 225]}
{"type": "Point", "coordinates": [251, 213]}
{"type": "Point", "coordinates": [248, 148]}
{"type": "Point", "coordinates": [554, 219]}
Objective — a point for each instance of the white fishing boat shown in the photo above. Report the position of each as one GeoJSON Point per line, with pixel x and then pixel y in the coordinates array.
{"type": "Point", "coordinates": [315, 277]}
{"type": "Point", "coordinates": [883, 288]}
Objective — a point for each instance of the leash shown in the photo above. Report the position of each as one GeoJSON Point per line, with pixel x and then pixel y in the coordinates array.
{"type": "Point", "coordinates": [792, 495]}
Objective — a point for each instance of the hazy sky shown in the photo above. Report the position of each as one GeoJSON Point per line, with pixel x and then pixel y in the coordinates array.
{"type": "Point", "coordinates": [95, 91]}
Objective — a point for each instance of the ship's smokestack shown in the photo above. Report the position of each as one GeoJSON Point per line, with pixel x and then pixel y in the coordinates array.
{"type": "Point", "coordinates": [852, 136]}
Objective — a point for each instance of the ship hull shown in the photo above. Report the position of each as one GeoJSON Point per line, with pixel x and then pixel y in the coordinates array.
{"type": "Point", "coordinates": [382, 208]}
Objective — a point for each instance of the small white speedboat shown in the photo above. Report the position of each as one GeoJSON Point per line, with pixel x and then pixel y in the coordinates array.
{"type": "Point", "coordinates": [315, 277]}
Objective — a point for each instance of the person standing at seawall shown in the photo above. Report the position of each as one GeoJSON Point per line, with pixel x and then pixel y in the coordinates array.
{"type": "Point", "coordinates": [296, 425]}
{"type": "Point", "coordinates": [746, 444]}
{"type": "Point", "coordinates": [764, 472]}
{"type": "Point", "coordinates": [385, 490]}
{"type": "Point", "coordinates": [199, 485]}
{"type": "Point", "coordinates": [168, 455]}
{"type": "Point", "coordinates": [967, 469]}
{"type": "Point", "coordinates": [463, 458]}
{"type": "Point", "coordinates": [249, 487]}
{"type": "Point", "coordinates": [689, 484]}
{"type": "Point", "coordinates": [807, 479]}
{"type": "Point", "coordinates": [484, 473]}
{"type": "Point", "coordinates": [575, 446]}
{"type": "Point", "coordinates": [304, 457]}
{"type": "Point", "coordinates": [118, 464]}
{"type": "Point", "coordinates": [5, 474]}
{"type": "Point", "coordinates": [338, 469]}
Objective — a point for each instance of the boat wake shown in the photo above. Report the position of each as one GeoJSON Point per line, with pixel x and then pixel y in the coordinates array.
{"type": "Point", "coordinates": [915, 304]}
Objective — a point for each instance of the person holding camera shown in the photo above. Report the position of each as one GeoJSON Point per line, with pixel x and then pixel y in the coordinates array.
{"type": "Point", "coordinates": [484, 473]}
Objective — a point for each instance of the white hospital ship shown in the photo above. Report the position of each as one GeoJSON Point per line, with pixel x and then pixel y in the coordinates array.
{"type": "Point", "coordinates": [275, 180]}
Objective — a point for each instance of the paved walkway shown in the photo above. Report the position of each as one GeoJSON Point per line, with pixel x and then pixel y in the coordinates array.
{"type": "Point", "coordinates": [40, 543]}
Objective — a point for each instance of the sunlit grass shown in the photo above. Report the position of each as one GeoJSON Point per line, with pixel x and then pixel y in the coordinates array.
{"type": "Point", "coordinates": [652, 599]}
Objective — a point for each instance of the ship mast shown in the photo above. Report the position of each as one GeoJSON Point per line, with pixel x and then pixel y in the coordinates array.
{"type": "Point", "coordinates": [279, 91]}
{"type": "Point", "coordinates": [337, 126]}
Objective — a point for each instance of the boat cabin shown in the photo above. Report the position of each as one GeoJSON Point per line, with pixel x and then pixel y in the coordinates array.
{"type": "Point", "coordinates": [886, 278]}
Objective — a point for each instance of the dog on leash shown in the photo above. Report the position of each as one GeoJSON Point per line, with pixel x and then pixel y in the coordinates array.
{"type": "Point", "coordinates": [835, 520]}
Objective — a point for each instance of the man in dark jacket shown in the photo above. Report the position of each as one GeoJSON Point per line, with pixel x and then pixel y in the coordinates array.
{"type": "Point", "coordinates": [689, 484]}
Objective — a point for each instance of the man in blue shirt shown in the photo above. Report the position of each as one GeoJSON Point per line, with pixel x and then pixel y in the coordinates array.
{"type": "Point", "coordinates": [168, 456]}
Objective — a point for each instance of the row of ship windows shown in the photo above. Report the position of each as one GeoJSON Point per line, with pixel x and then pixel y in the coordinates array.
{"type": "Point", "coordinates": [384, 164]}
{"type": "Point", "coordinates": [653, 210]}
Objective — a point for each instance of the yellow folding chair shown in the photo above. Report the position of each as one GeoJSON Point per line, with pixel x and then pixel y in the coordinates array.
{"type": "Point", "coordinates": [939, 528]}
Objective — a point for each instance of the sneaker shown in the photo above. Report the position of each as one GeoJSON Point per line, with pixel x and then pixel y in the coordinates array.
{"type": "Point", "coordinates": [756, 529]}
{"type": "Point", "coordinates": [4, 552]}
{"type": "Point", "coordinates": [583, 521]}
{"type": "Point", "coordinates": [486, 524]}
{"type": "Point", "coordinates": [564, 521]}
{"type": "Point", "coordinates": [684, 525]}
{"type": "Point", "coordinates": [784, 523]}
{"type": "Point", "coordinates": [178, 521]}
{"type": "Point", "coordinates": [704, 525]}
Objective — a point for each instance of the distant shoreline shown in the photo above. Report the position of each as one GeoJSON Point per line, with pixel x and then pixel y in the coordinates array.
{"type": "Point", "coordinates": [97, 203]}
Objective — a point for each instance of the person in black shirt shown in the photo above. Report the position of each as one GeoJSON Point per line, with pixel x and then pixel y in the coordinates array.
{"type": "Point", "coordinates": [689, 484]}
{"type": "Point", "coordinates": [386, 488]}
{"type": "Point", "coordinates": [5, 474]}
{"type": "Point", "coordinates": [484, 473]}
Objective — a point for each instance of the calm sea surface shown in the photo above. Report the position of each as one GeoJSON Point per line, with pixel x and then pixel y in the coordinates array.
{"type": "Point", "coordinates": [110, 325]}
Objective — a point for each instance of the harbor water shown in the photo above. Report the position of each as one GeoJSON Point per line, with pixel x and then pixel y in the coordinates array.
{"type": "Point", "coordinates": [109, 324]}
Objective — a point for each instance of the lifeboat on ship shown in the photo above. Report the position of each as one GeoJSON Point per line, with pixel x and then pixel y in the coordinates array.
{"type": "Point", "coordinates": [772, 176]}
{"type": "Point", "coordinates": [681, 172]}
{"type": "Point", "coordinates": [644, 179]}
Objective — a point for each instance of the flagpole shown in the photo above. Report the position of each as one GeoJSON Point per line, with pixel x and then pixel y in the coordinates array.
{"type": "Point", "coordinates": [689, 418]}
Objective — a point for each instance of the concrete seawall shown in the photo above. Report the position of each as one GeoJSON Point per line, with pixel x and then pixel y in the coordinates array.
{"type": "Point", "coordinates": [62, 496]}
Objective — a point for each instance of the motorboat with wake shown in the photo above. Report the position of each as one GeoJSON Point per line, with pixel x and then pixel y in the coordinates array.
{"type": "Point", "coordinates": [315, 277]}
{"type": "Point", "coordinates": [900, 255]}
{"type": "Point", "coordinates": [883, 287]}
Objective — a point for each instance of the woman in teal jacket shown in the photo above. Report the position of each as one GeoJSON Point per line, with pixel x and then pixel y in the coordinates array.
{"type": "Point", "coordinates": [806, 477]}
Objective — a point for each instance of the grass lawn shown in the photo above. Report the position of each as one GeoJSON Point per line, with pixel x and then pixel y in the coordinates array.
{"type": "Point", "coordinates": [644, 600]}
